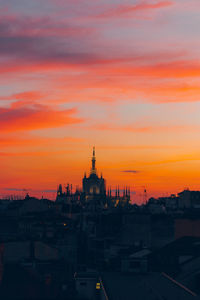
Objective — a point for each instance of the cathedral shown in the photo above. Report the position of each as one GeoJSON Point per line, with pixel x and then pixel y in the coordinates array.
{"type": "Point", "coordinates": [93, 193]}
{"type": "Point", "coordinates": [93, 185]}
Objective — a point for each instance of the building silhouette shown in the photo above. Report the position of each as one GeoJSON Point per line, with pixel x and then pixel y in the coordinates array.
{"type": "Point", "coordinates": [94, 187]}
{"type": "Point", "coordinates": [93, 193]}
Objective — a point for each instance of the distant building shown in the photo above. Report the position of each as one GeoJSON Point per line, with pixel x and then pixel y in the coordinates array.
{"type": "Point", "coordinates": [33, 205]}
{"type": "Point", "coordinates": [93, 194]}
{"type": "Point", "coordinates": [189, 199]}
{"type": "Point", "coordinates": [94, 186]}
{"type": "Point", "coordinates": [163, 204]}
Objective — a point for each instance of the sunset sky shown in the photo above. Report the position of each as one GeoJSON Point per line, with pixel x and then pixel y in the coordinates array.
{"type": "Point", "coordinates": [121, 75]}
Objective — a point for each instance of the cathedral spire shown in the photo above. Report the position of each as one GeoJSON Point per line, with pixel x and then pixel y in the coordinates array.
{"type": "Point", "coordinates": [93, 170]}
{"type": "Point", "coordinates": [93, 151]}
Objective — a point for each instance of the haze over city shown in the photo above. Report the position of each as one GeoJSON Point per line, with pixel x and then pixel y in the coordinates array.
{"type": "Point", "coordinates": [120, 75]}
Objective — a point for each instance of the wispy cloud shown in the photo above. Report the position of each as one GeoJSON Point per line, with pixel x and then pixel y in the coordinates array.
{"type": "Point", "coordinates": [130, 171]}
{"type": "Point", "coordinates": [23, 116]}
{"type": "Point", "coordinates": [16, 189]}
{"type": "Point", "coordinates": [130, 10]}
{"type": "Point", "coordinates": [30, 141]}
{"type": "Point", "coordinates": [14, 25]}
{"type": "Point", "coordinates": [136, 128]}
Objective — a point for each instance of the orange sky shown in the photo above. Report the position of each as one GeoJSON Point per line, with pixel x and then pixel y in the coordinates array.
{"type": "Point", "coordinates": [120, 75]}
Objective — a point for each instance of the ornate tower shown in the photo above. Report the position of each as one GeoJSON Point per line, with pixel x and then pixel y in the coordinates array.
{"type": "Point", "coordinates": [94, 186]}
{"type": "Point", "coordinates": [93, 170]}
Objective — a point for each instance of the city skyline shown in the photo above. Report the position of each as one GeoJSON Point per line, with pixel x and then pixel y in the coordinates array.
{"type": "Point", "coordinates": [138, 194]}
{"type": "Point", "coordinates": [120, 75]}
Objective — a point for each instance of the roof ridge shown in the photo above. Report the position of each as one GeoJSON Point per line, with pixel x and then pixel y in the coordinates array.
{"type": "Point", "coordinates": [179, 284]}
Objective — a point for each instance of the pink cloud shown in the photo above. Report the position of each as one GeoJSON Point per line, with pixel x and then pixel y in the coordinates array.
{"type": "Point", "coordinates": [35, 116]}
{"type": "Point", "coordinates": [122, 10]}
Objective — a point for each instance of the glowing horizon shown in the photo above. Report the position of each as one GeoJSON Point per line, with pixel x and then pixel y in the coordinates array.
{"type": "Point", "coordinates": [120, 75]}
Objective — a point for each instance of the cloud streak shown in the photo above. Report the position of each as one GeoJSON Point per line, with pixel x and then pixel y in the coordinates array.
{"type": "Point", "coordinates": [124, 10]}
{"type": "Point", "coordinates": [16, 189]}
{"type": "Point", "coordinates": [31, 141]}
{"type": "Point", "coordinates": [23, 116]}
{"type": "Point", "coordinates": [146, 129]}
{"type": "Point", "coordinates": [130, 171]}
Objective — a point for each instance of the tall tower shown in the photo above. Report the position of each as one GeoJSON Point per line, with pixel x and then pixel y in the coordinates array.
{"type": "Point", "coordinates": [94, 186]}
{"type": "Point", "coordinates": [93, 170]}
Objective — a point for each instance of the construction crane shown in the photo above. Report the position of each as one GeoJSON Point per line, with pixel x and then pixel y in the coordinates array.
{"type": "Point", "coordinates": [144, 194]}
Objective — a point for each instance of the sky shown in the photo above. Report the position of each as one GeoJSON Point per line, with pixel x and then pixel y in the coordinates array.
{"type": "Point", "coordinates": [123, 76]}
